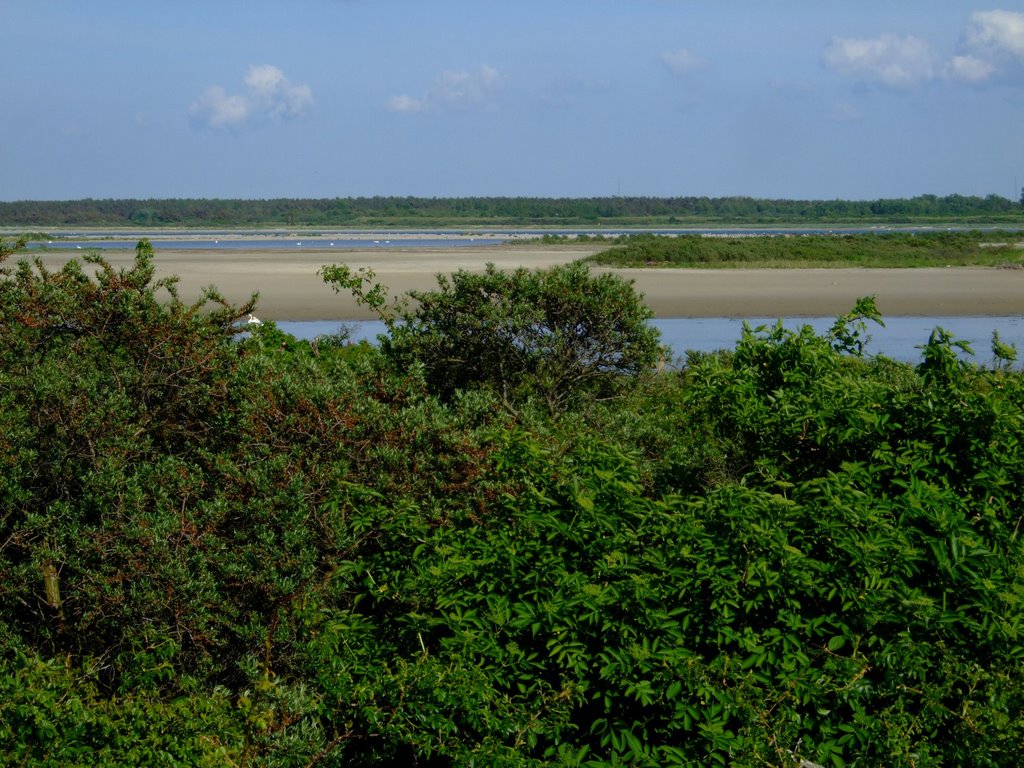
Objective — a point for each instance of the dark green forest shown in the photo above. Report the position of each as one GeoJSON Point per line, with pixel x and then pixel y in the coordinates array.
{"type": "Point", "coordinates": [510, 534]}
{"type": "Point", "coordinates": [505, 211]}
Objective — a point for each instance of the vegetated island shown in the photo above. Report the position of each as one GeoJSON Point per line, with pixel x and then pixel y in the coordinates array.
{"type": "Point", "coordinates": [792, 251]}
{"type": "Point", "coordinates": [922, 210]}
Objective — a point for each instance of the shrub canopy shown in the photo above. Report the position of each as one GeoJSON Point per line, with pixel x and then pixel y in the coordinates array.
{"type": "Point", "coordinates": [224, 549]}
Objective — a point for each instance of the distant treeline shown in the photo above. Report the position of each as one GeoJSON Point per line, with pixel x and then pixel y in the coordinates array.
{"type": "Point", "coordinates": [406, 211]}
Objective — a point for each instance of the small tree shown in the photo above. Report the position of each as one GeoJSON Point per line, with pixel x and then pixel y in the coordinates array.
{"type": "Point", "coordinates": [553, 335]}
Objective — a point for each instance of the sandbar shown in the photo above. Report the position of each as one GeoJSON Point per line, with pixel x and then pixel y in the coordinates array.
{"type": "Point", "coordinates": [290, 287]}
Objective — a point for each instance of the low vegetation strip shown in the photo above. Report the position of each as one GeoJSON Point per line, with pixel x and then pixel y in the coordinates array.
{"type": "Point", "coordinates": [897, 249]}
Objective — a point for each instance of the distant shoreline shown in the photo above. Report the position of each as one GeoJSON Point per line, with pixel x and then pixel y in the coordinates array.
{"type": "Point", "coordinates": [290, 289]}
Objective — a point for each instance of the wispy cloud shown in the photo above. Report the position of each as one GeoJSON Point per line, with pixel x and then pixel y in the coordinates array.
{"type": "Point", "coordinates": [452, 91]}
{"type": "Point", "coordinates": [268, 95]}
{"type": "Point", "coordinates": [993, 41]}
{"type": "Point", "coordinates": [889, 60]}
{"type": "Point", "coordinates": [968, 69]}
{"type": "Point", "coordinates": [1001, 31]}
{"type": "Point", "coordinates": [682, 61]}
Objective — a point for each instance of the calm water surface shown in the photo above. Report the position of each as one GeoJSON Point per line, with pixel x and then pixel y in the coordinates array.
{"type": "Point", "coordinates": [900, 339]}
{"type": "Point", "coordinates": [235, 240]}
{"type": "Point", "coordinates": [276, 244]}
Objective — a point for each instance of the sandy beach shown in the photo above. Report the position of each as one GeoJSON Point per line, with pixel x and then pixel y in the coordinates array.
{"type": "Point", "coordinates": [289, 287]}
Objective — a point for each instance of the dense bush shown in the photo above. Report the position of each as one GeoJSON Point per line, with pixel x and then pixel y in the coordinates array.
{"type": "Point", "coordinates": [224, 549]}
{"type": "Point", "coordinates": [552, 335]}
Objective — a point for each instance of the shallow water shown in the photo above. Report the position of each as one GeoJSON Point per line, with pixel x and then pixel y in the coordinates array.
{"type": "Point", "coordinates": [276, 244]}
{"type": "Point", "coordinates": [900, 339]}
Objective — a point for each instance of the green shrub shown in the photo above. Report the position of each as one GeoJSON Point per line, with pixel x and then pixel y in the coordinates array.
{"type": "Point", "coordinates": [552, 335]}
{"type": "Point", "coordinates": [221, 550]}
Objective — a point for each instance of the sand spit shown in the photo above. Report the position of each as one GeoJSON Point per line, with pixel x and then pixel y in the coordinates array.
{"type": "Point", "coordinates": [290, 289]}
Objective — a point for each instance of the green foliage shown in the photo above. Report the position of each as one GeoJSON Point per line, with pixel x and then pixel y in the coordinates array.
{"type": "Point", "coordinates": [366, 292]}
{"type": "Point", "coordinates": [7, 250]}
{"type": "Point", "coordinates": [1003, 354]}
{"type": "Point", "coordinates": [889, 249]}
{"type": "Point", "coordinates": [550, 335]}
{"type": "Point", "coordinates": [165, 488]}
{"type": "Point", "coordinates": [228, 548]}
{"type": "Point", "coordinates": [55, 714]}
{"type": "Point", "coordinates": [849, 333]}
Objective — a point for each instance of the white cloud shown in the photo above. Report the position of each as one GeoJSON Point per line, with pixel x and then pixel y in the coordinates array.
{"type": "Point", "coordinates": [682, 62]}
{"type": "Point", "coordinates": [403, 103]}
{"type": "Point", "coordinates": [968, 69]}
{"type": "Point", "coordinates": [893, 61]}
{"type": "Point", "coordinates": [270, 90]}
{"type": "Point", "coordinates": [216, 109]}
{"type": "Point", "coordinates": [994, 41]}
{"type": "Point", "coordinates": [997, 30]}
{"type": "Point", "coordinates": [268, 94]}
{"type": "Point", "coordinates": [451, 91]}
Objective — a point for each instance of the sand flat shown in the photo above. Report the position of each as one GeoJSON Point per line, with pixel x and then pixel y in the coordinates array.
{"type": "Point", "coordinates": [824, 292]}
{"type": "Point", "coordinates": [290, 289]}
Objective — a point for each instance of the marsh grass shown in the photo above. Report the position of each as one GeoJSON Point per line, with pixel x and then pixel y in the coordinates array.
{"type": "Point", "coordinates": [891, 250]}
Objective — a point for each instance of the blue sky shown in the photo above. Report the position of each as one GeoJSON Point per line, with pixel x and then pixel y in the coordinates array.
{"type": "Point", "coordinates": [338, 98]}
